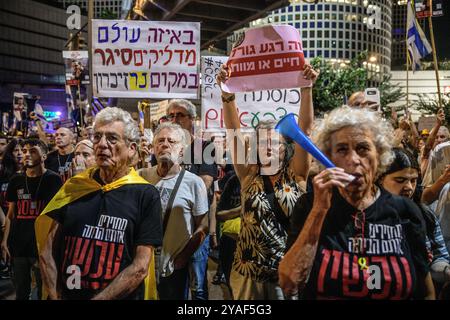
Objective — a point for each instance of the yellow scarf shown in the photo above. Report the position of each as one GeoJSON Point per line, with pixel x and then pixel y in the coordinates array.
{"type": "Point", "coordinates": [76, 188]}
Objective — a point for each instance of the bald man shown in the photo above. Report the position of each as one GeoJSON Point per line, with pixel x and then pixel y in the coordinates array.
{"type": "Point", "coordinates": [60, 160]}
{"type": "Point", "coordinates": [357, 99]}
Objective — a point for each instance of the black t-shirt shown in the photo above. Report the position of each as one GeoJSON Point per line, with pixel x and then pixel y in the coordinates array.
{"type": "Point", "coordinates": [196, 161]}
{"type": "Point", "coordinates": [59, 164]}
{"type": "Point", "coordinates": [228, 172]}
{"type": "Point", "coordinates": [393, 240]}
{"type": "Point", "coordinates": [100, 233]}
{"type": "Point", "coordinates": [31, 195]}
{"type": "Point", "coordinates": [231, 195]}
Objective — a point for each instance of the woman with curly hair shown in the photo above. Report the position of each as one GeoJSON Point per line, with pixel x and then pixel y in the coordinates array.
{"type": "Point", "coordinates": [350, 239]}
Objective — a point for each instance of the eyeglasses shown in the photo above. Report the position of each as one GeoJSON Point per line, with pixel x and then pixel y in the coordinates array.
{"type": "Point", "coordinates": [176, 115]}
{"type": "Point", "coordinates": [111, 138]}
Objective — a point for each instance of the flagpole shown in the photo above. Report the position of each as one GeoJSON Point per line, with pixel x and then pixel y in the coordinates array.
{"type": "Point", "coordinates": [90, 88]}
{"type": "Point", "coordinates": [407, 65]}
{"type": "Point", "coordinates": [435, 62]}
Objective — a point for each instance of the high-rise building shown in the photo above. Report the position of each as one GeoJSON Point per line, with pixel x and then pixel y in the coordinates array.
{"type": "Point", "coordinates": [339, 30]}
{"type": "Point", "coordinates": [33, 38]}
{"type": "Point", "coordinates": [100, 6]}
{"type": "Point", "coordinates": [399, 14]}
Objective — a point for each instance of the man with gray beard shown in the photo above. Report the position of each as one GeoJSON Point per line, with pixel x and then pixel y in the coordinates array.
{"type": "Point", "coordinates": [185, 205]}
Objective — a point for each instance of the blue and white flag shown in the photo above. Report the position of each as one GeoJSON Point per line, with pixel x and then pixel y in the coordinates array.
{"type": "Point", "coordinates": [418, 45]}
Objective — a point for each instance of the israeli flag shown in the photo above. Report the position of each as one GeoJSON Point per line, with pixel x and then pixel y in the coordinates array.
{"type": "Point", "coordinates": [418, 45]}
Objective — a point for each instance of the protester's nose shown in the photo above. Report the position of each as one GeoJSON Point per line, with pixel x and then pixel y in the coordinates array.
{"type": "Point", "coordinates": [165, 143]}
{"type": "Point", "coordinates": [408, 186]}
{"type": "Point", "coordinates": [354, 158]}
{"type": "Point", "coordinates": [102, 143]}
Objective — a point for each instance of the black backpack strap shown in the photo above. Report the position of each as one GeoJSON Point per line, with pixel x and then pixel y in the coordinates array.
{"type": "Point", "coordinates": [171, 199]}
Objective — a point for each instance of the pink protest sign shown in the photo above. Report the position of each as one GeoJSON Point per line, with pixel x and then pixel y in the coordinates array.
{"type": "Point", "coordinates": [270, 57]}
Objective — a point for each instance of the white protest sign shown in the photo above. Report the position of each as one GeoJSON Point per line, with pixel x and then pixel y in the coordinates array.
{"type": "Point", "coordinates": [253, 107]}
{"type": "Point", "coordinates": [426, 123]}
{"type": "Point", "coordinates": [145, 59]}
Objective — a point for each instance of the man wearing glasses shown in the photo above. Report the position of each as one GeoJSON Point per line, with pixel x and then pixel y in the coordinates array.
{"type": "Point", "coordinates": [104, 222]}
{"type": "Point", "coordinates": [183, 113]}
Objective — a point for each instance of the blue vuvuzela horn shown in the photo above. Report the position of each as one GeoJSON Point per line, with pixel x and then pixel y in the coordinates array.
{"type": "Point", "coordinates": [288, 127]}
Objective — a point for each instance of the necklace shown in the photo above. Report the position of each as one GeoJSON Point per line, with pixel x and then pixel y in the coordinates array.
{"type": "Point", "coordinates": [59, 162]}
{"type": "Point", "coordinates": [34, 202]}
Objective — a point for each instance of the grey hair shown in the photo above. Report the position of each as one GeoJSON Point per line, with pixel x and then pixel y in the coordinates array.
{"type": "Point", "coordinates": [189, 106]}
{"type": "Point", "coordinates": [266, 124]}
{"type": "Point", "coordinates": [173, 127]}
{"type": "Point", "coordinates": [345, 116]}
{"type": "Point", "coordinates": [111, 114]}
{"type": "Point", "coordinates": [445, 131]}
{"type": "Point", "coordinates": [88, 143]}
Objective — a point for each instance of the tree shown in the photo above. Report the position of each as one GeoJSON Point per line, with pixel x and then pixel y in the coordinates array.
{"type": "Point", "coordinates": [429, 104]}
{"type": "Point", "coordinates": [335, 84]}
{"type": "Point", "coordinates": [389, 93]}
{"type": "Point", "coordinates": [108, 14]}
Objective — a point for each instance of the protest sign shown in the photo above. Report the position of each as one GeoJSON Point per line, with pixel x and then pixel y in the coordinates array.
{"type": "Point", "coordinates": [145, 59]}
{"type": "Point", "coordinates": [77, 67]}
{"type": "Point", "coordinates": [63, 123]}
{"type": "Point", "coordinates": [423, 9]}
{"type": "Point", "coordinates": [5, 122]}
{"type": "Point", "coordinates": [253, 107]}
{"type": "Point", "coordinates": [269, 57]}
{"type": "Point", "coordinates": [20, 107]}
{"type": "Point", "coordinates": [426, 123]}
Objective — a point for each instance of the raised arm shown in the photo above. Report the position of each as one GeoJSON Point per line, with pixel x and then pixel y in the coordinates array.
{"type": "Point", "coordinates": [440, 119]}
{"type": "Point", "coordinates": [414, 133]}
{"type": "Point", "coordinates": [231, 118]}
{"type": "Point", "coordinates": [431, 193]}
{"type": "Point", "coordinates": [301, 161]}
{"type": "Point", "coordinates": [41, 131]}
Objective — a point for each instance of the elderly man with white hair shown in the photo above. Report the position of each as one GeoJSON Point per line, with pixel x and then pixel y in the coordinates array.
{"type": "Point", "coordinates": [104, 222]}
{"type": "Point", "coordinates": [195, 160]}
{"type": "Point", "coordinates": [185, 204]}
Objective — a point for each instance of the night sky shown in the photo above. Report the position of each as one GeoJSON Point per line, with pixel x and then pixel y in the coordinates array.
{"type": "Point", "coordinates": [441, 27]}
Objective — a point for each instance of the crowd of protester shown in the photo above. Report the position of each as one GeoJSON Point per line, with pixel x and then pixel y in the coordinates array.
{"type": "Point", "coordinates": [107, 213]}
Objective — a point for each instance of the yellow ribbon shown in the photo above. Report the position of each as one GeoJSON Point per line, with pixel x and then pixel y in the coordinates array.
{"type": "Point", "coordinates": [363, 263]}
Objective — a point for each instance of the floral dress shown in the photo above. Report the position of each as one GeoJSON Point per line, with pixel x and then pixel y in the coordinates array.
{"type": "Point", "coordinates": [262, 238]}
